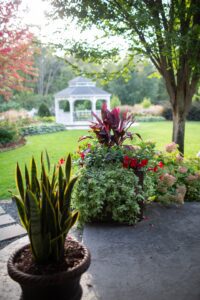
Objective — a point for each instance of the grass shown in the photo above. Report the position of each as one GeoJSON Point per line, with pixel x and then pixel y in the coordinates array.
{"type": "Point", "coordinates": [59, 144]}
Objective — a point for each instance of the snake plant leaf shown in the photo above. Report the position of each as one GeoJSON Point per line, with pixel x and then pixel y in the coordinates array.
{"type": "Point", "coordinates": [35, 233]}
{"type": "Point", "coordinates": [48, 160]}
{"type": "Point", "coordinates": [21, 211]}
{"type": "Point", "coordinates": [27, 179]}
{"type": "Point", "coordinates": [33, 175]}
{"type": "Point", "coordinates": [50, 215]}
{"type": "Point", "coordinates": [74, 218]}
{"type": "Point", "coordinates": [68, 192]}
{"type": "Point", "coordinates": [68, 166]}
{"type": "Point", "coordinates": [60, 185]}
{"type": "Point", "coordinates": [53, 180]}
{"type": "Point", "coordinates": [19, 182]}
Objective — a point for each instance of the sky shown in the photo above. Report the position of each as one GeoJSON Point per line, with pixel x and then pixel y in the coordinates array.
{"type": "Point", "coordinates": [55, 31]}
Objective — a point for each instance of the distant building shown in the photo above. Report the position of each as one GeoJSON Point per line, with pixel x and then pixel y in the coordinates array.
{"type": "Point", "coordinates": [80, 89]}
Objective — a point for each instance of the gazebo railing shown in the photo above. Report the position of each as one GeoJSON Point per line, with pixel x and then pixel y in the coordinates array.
{"type": "Point", "coordinates": [82, 115]}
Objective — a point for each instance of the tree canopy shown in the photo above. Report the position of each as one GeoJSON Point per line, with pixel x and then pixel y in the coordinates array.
{"type": "Point", "coordinates": [168, 32]}
{"type": "Point", "coordinates": [16, 51]}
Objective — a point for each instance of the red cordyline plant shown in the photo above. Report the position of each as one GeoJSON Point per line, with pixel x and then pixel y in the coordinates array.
{"type": "Point", "coordinates": [111, 129]}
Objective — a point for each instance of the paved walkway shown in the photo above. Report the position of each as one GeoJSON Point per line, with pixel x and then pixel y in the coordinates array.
{"type": "Point", "coordinates": [9, 229]}
{"type": "Point", "coordinates": [158, 259]}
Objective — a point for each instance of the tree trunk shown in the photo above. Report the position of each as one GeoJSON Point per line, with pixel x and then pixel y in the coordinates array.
{"type": "Point", "coordinates": [178, 135]}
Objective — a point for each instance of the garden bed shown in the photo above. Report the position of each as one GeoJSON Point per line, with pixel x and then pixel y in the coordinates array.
{"type": "Point", "coordinates": [12, 145]}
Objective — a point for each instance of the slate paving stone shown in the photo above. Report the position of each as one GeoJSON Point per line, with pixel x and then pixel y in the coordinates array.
{"type": "Point", "coordinates": [158, 259]}
{"type": "Point", "coordinates": [1, 211]}
{"type": "Point", "coordinates": [6, 219]}
{"type": "Point", "coordinates": [11, 231]}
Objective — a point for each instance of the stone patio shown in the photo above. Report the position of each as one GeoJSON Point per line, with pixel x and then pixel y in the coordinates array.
{"type": "Point", "coordinates": [158, 259]}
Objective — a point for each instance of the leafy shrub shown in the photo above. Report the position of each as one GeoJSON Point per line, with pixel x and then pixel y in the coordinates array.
{"type": "Point", "coordinates": [167, 111]}
{"type": "Point", "coordinates": [28, 100]}
{"type": "Point", "coordinates": [50, 119]}
{"type": "Point", "coordinates": [115, 102]}
{"type": "Point", "coordinates": [5, 106]}
{"type": "Point", "coordinates": [149, 118]}
{"type": "Point", "coordinates": [194, 112]}
{"type": "Point", "coordinates": [44, 111]}
{"type": "Point", "coordinates": [8, 133]}
{"type": "Point", "coordinates": [41, 129]}
{"type": "Point", "coordinates": [146, 102]}
{"type": "Point", "coordinates": [101, 194]}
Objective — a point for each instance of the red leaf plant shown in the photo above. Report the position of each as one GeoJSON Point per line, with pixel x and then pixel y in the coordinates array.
{"type": "Point", "coordinates": [111, 129]}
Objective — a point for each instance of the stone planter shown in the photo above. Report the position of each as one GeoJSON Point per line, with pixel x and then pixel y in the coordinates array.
{"type": "Point", "coordinates": [64, 285]}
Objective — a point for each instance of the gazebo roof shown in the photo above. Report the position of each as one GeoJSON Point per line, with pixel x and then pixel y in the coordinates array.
{"type": "Point", "coordinates": [81, 86]}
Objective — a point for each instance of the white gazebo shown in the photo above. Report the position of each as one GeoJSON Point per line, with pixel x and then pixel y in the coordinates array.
{"type": "Point", "coordinates": [80, 89]}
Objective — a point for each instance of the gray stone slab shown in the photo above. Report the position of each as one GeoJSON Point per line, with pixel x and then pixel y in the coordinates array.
{"type": "Point", "coordinates": [11, 232]}
{"type": "Point", "coordinates": [159, 258]}
{"type": "Point", "coordinates": [6, 219]}
{"type": "Point", "coordinates": [1, 211]}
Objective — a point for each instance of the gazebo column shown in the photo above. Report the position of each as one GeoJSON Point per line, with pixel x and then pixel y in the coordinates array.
{"type": "Point", "coordinates": [71, 105]}
{"type": "Point", "coordinates": [108, 102]}
{"type": "Point", "coordinates": [57, 110]}
{"type": "Point", "coordinates": [94, 100]}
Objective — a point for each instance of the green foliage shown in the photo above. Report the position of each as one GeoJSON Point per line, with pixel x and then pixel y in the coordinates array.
{"type": "Point", "coordinates": [149, 118]}
{"type": "Point", "coordinates": [43, 111]}
{"type": "Point", "coordinates": [64, 105]}
{"type": "Point", "coordinates": [41, 129]}
{"type": "Point", "coordinates": [115, 102]}
{"type": "Point", "coordinates": [192, 115]}
{"type": "Point", "coordinates": [44, 209]}
{"type": "Point", "coordinates": [194, 112]}
{"type": "Point", "coordinates": [8, 133]}
{"type": "Point", "coordinates": [146, 102]}
{"type": "Point", "coordinates": [30, 100]}
{"type": "Point", "coordinates": [50, 119]}
{"type": "Point", "coordinates": [101, 194]}
{"type": "Point", "coordinates": [4, 106]}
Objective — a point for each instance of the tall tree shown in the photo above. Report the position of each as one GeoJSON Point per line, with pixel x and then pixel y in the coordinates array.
{"type": "Point", "coordinates": [168, 32]}
{"type": "Point", "coordinates": [16, 51]}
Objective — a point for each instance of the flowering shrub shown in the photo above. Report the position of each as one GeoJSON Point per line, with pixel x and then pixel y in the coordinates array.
{"type": "Point", "coordinates": [179, 179]}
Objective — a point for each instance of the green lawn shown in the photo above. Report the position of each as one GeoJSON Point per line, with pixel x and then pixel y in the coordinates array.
{"type": "Point", "coordinates": [59, 144]}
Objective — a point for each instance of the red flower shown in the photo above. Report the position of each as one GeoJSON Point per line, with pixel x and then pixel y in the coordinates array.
{"type": "Point", "coordinates": [133, 163]}
{"type": "Point", "coordinates": [82, 155]}
{"type": "Point", "coordinates": [126, 161]}
{"type": "Point", "coordinates": [155, 169]}
{"type": "Point", "coordinates": [89, 145]}
{"type": "Point", "coordinates": [144, 162]}
{"type": "Point", "coordinates": [61, 161]}
{"type": "Point", "coordinates": [160, 164]}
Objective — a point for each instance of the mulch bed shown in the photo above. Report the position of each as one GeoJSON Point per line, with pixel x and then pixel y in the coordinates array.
{"type": "Point", "coordinates": [74, 254]}
{"type": "Point", "coordinates": [13, 145]}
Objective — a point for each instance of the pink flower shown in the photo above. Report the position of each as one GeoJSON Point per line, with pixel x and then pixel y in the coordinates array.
{"type": "Point", "coordinates": [168, 179]}
{"type": "Point", "coordinates": [171, 147]}
{"type": "Point", "coordinates": [191, 177]}
{"type": "Point", "coordinates": [182, 169]}
{"type": "Point", "coordinates": [179, 158]}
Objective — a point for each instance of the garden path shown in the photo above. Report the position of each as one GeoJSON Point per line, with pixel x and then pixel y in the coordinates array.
{"type": "Point", "coordinates": [8, 227]}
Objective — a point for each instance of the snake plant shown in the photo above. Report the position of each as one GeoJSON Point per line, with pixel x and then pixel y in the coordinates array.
{"type": "Point", "coordinates": [44, 209]}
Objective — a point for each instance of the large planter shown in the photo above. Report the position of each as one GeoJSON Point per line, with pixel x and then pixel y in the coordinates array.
{"type": "Point", "coordinates": [64, 285]}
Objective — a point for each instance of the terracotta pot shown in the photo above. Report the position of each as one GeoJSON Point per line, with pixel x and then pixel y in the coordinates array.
{"type": "Point", "coordinates": [64, 285]}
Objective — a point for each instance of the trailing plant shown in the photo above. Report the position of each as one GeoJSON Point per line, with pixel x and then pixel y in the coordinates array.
{"type": "Point", "coordinates": [43, 205]}
{"type": "Point", "coordinates": [101, 194]}
{"type": "Point", "coordinates": [111, 129]}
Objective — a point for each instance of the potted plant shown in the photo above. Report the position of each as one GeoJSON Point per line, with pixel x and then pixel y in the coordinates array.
{"type": "Point", "coordinates": [113, 173]}
{"type": "Point", "coordinates": [50, 266]}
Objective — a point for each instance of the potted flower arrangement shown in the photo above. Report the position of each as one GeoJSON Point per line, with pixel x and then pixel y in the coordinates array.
{"type": "Point", "coordinates": [112, 183]}
{"type": "Point", "coordinates": [50, 266]}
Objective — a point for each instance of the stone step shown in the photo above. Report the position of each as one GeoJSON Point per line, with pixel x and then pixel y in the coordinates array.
{"type": "Point", "coordinates": [1, 211]}
{"type": "Point", "coordinates": [6, 219]}
{"type": "Point", "coordinates": [11, 232]}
